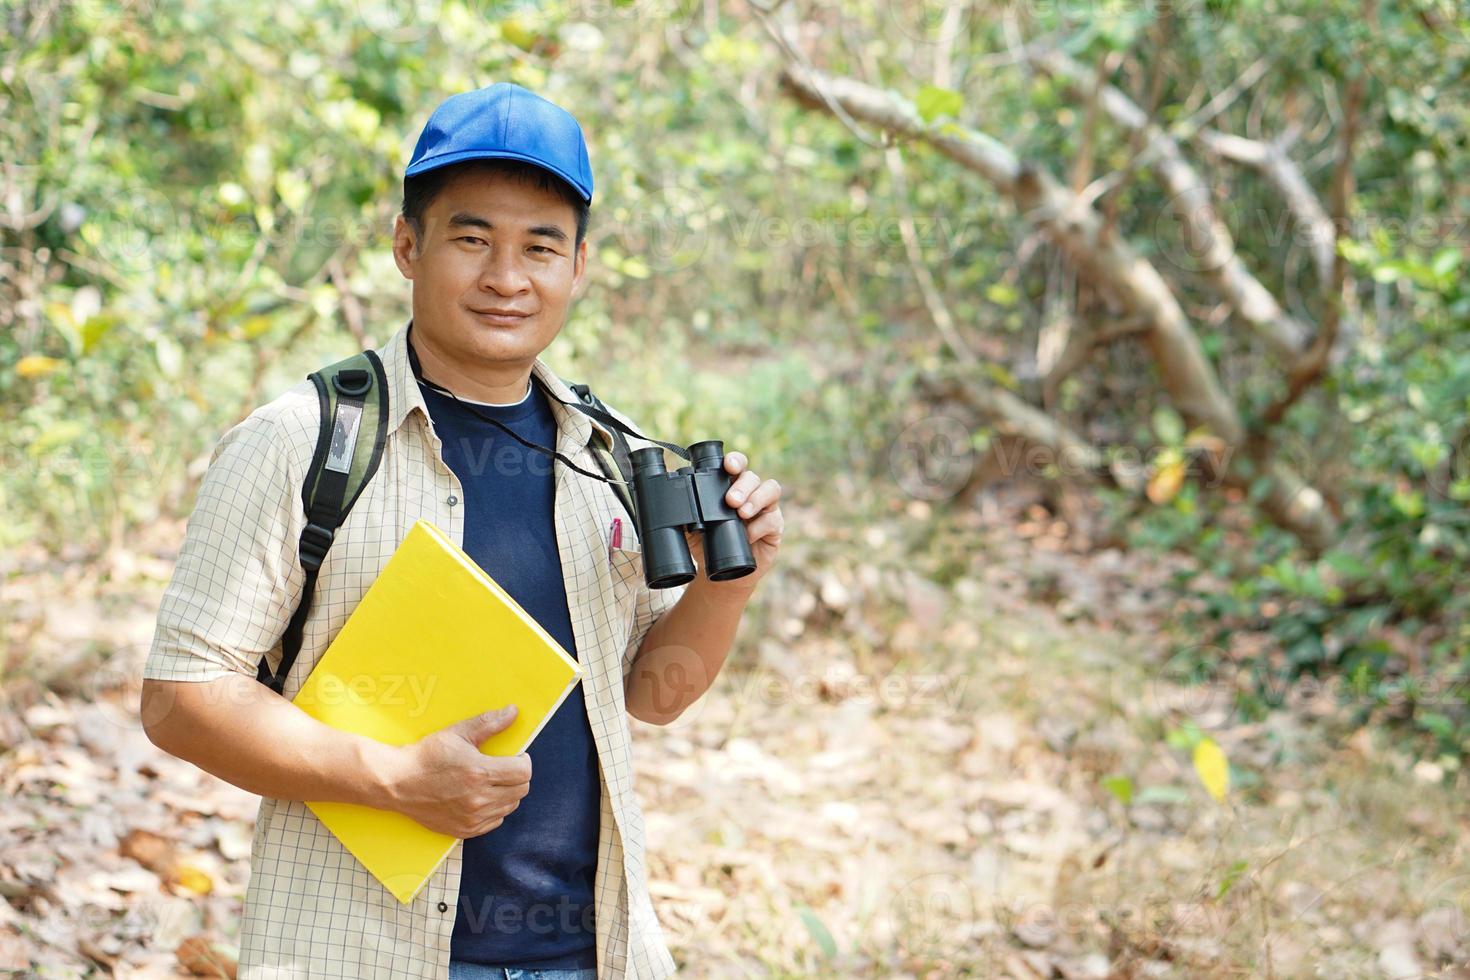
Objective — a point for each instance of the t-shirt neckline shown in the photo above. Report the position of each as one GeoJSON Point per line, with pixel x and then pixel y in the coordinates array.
{"type": "Point", "coordinates": [505, 412]}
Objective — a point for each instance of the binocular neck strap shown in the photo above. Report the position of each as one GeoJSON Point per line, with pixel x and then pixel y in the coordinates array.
{"type": "Point", "coordinates": [601, 416]}
{"type": "Point", "coordinates": [612, 422]}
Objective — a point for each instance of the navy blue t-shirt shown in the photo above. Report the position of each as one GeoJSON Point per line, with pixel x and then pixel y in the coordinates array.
{"type": "Point", "coordinates": [526, 893]}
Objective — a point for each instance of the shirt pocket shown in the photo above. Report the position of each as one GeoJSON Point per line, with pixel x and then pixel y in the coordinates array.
{"type": "Point", "coordinates": [622, 551]}
{"type": "Point", "coordinates": [625, 563]}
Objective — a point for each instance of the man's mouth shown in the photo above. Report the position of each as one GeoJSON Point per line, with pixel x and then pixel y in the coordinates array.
{"type": "Point", "coordinates": [500, 317]}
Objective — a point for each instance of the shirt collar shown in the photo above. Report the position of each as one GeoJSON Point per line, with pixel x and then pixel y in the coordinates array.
{"type": "Point", "coordinates": [574, 428]}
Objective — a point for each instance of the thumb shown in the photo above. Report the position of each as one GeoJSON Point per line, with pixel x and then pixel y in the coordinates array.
{"type": "Point", "coordinates": [476, 728]}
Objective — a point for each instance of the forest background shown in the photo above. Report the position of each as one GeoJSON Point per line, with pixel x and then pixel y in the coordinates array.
{"type": "Point", "coordinates": [1115, 358]}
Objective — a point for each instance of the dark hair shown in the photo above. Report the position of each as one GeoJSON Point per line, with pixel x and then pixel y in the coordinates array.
{"type": "Point", "coordinates": [420, 190]}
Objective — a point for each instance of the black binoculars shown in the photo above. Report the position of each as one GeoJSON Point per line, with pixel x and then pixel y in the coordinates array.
{"type": "Point", "coordinates": [691, 498]}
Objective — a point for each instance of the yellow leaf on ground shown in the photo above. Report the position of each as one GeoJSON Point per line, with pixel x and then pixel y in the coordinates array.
{"type": "Point", "coordinates": [1165, 482]}
{"type": "Point", "coordinates": [1213, 768]}
{"type": "Point", "coordinates": [188, 878]}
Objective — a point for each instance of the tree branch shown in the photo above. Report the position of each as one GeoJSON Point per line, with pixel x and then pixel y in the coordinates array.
{"type": "Point", "coordinates": [1206, 236]}
{"type": "Point", "coordinates": [933, 299]}
{"type": "Point", "coordinates": [1014, 416]}
{"type": "Point", "coordinates": [1111, 264]}
{"type": "Point", "coordinates": [1081, 342]}
{"type": "Point", "coordinates": [1311, 365]}
{"type": "Point", "coordinates": [1277, 166]}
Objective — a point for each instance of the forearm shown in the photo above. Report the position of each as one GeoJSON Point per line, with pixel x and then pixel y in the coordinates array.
{"type": "Point", "coordinates": [244, 733]}
{"type": "Point", "coordinates": [682, 653]}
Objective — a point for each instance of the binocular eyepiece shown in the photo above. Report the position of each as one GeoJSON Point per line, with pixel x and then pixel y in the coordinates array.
{"type": "Point", "coordinates": [691, 498]}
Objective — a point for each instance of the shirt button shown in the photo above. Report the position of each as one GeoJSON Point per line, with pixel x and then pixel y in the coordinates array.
{"type": "Point", "coordinates": [443, 906]}
{"type": "Point", "coordinates": [452, 500]}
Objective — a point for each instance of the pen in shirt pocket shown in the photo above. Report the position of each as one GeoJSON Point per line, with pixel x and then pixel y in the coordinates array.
{"type": "Point", "coordinates": [615, 537]}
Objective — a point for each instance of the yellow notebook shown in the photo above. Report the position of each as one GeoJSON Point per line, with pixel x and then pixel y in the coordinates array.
{"type": "Point", "coordinates": [434, 641]}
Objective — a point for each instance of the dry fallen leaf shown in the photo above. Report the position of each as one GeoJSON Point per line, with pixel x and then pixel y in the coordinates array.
{"type": "Point", "coordinates": [151, 850]}
{"type": "Point", "coordinates": [1166, 482]}
{"type": "Point", "coordinates": [93, 950]}
{"type": "Point", "coordinates": [233, 839]}
{"type": "Point", "coordinates": [12, 950]}
{"type": "Point", "coordinates": [203, 957]}
{"type": "Point", "coordinates": [129, 880]}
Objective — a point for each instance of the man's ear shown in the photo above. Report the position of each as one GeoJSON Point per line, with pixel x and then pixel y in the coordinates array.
{"type": "Point", "coordinates": [405, 245]}
{"type": "Point", "coordinates": [579, 267]}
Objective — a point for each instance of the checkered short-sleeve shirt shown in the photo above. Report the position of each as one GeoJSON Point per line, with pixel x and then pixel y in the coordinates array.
{"type": "Point", "coordinates": [311, 910]}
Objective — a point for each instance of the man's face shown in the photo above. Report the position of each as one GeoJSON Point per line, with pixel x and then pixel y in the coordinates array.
{"type": "Point", "coordinates": [493, 271]}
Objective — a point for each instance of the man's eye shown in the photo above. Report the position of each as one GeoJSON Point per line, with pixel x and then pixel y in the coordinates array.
{"type": "Point", "coordinates": [543, 248]}
{"type": "Point", "coordinates": [471, 238]}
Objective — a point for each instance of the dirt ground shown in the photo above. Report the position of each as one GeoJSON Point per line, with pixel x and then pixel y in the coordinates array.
{"type": "Point", "coordinates": [892, 778]}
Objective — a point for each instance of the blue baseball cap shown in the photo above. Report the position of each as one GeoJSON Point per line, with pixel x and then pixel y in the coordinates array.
{"type": "Point", "coordinates": [505, 121]}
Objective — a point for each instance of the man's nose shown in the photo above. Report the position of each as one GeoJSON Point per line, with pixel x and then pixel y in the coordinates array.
{"type": "Point", "coordinates": [502, 273]}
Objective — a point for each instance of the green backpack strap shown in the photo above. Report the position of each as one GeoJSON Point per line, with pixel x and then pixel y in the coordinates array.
{"type": "Point", "coordinates": [353, 395]}
{"type": "Point", "coordinates": [611, 458]}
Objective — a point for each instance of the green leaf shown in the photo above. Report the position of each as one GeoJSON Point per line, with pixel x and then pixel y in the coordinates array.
{"type": "Point", "coordinates": [253, 327]}
{"type": "Point", "coordinates": [1120, 786]}
{"type": "Point", "coordinates": [1232, 874]}
{"type": "Point", "coordinates": [1391, 271]}
{"type": "Point", "coordinates": [1168, 425]}
{"type": "Point", "coordinates": [95, 329]}
{"type": "Point", "coordinates": [55, 436]}
{"type": "Point", "coordinates": [1163, 794]}
{"type": "Point", "coordinates": [819, 932]}
{"type": "Point", "coordinates": [1348, 565]}
{"type": "Point", "coordinates": [1410, 503]}
{"type": "Point", "coordinates": [1001, 294]}
{"type": "Point", "coordinates": [292, 189]}
{"type": "Point", "coordinates": [1436, 724]}
{"type": "Point", "coordinates": [1186, 736]}
{"type": "Point", "coordinates": [933, 102]}
{"type": "Point", "coordinates": [1001, 376]}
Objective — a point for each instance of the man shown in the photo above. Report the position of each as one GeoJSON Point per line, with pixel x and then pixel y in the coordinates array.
{"type": "Point", "coordinates": [549, 880]}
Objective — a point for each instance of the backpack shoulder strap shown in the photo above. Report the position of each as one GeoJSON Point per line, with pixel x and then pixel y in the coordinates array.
{"type": "Point", "coordinates": [611, 457]}
{"type": "Point", "coordinates": [353, 396]}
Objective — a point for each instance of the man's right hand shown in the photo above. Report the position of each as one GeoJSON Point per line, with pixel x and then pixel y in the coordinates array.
{"type": "Point", "coordinates": [445, 783]}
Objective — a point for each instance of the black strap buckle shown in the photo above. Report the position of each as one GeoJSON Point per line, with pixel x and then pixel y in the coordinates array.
{"type": "Point", "coordinates": [315, 542]}
{"type": "Point", "coordinates": [352, 382]}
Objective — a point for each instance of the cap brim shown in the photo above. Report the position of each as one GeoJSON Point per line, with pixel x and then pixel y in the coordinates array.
{"type": "Point", "coordinates": [445, 159]}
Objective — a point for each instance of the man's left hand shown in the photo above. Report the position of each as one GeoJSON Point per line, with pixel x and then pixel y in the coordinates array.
{"type": "Point", "coordinates": [758, 503]}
